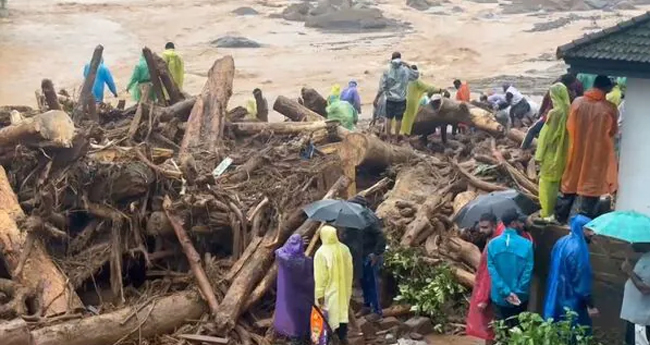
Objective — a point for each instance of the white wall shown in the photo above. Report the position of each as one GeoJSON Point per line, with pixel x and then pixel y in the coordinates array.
{"type": "Point", "coordinates": [634, 168]}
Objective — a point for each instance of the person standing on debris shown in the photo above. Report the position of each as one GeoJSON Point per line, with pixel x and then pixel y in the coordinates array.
{"type": "Point", "coordinates": [175, 64]}
{"type": "Point", "coordinates": [140, 80]}
{"type": "Point", "coordinates": [414, 92]}
{"type": "Point", "coordinates": [510, 265]}
{"type": "Point", "coordinates": [462, 91]}
{"type": "Point", "coordinates": [481, 313]}
{"type": "Point", "coordinates": [103, 77]}
{"type": "Point", "coordinates": [552, 150]}
{"type": "Point", "coordinates": [570, 276]}
{"type": "Point", "coordinates": [333, 280]}
{"type": "Point", "coordinates": [295, 291]}
{"type": "Point", "coordinates": [591, 168]}
{"type": "Point", "coordinates": [351, 95]}
{"type": "Point", "coordinates": [636, 298]}
{"type": "Point", "coordinates": [519, 106]}
{"type": "Point", "coordinates": [393, 84]}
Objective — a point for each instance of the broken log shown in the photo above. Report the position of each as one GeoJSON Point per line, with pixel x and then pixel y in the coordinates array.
{"type": "Point", "coordinates": [294, 110]}
{"type": "Point", "coordinates": [380, 186]}
{"type": "Point", "coordinates": [258, 266]}
{"type": "Point", "coordinates": [282, 128]}
{"type": "Point", "coordinates": [174, 93]}
{"type": "Point", "coordinates": [50, 129]}
{"type": "Point", "coordinates": [193, 258]}
{"type": "Point", "coordinates": [477, 182]}
{"type": "Point", "coordinates": [450, 111]}
{"type": "Point", "coordinates": [50, 95]}
{"type": "Point", "coordinates": [86, 103]}
{"type": "Point", "coordinates": [58, 295]}
{"type": "Point", "coordinates": [160, 316]}
{"type": "Point", "coordinates": [154, 76]}
{"type": "Point", "coordinates": [180, 110]}
{"type": "Point", "coordinates": [206, 121]}
{"type": "Point", "coordinates": [314, 101]}
{"type": "Point", "coordinates": [373, 153]}
{"type": "Point", "coordinates": [262, 106]}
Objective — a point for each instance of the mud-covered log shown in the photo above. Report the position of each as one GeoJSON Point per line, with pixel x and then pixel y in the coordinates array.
{"type": "Point", "coordinates": [57, 294]}
{"type": "Point", "coordinates": [294, 110]}
{"type": "Point", "coordinates": [180, 110]}
{"type": "Point", "coordinates": [373, 153]}
{"type": "Point", "coordinates": [50, 129]}
{"type": "Point", "coordinates": [314, 101]}
{"type": "Point", "coordinates": [15, 332]}
{"type": "Point", "coordinates": [421, 222]}
{"type": "Point", "coordinates": [262, 106]}
{"type": "Point", "coordinates": [47, 87]}
{"type": "Point", "coordinates": [154, 76]}
{"type": "Point", "coordinates": [174, 93]}
{"type": "Point", "coordinates": [206, 121]}
{"type": "Point", "coordinates": [453, 112]}
{"type": "Point", "coordinates": [160, 316]}
{"type": "Point", "coordinates": [86, 103]}
{"type": "Point", "coordinates": [132, 180]}
{"type": "Point", "coordinates": [282, 128]}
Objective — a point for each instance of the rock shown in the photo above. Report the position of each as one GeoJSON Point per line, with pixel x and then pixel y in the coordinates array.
{"type": "Point", "coordinates": [235, 42]}
{"type": "Point", "coordinates": [624, 5]}
{"type": "Point", "coordinates": [367, 328]}
{"type": "Point", "coordinates": [416, 336]}
{"type": "Point", "coordinates": [457, 9]}
{"type": "Point", "coordinates": [245, 11]}
{"type": "Point", "coordinates": [349, 19]}
{"type": "Point", "coordinates": [389, 322]}
{"type": "Point", "coordinates": [410, 342]}
{"type": "Point", "coordinates": [421, 5]}
{"type": "Point", "coordinates": [419, 324]}
{"type": "Point", "coordinates": [297, 12]}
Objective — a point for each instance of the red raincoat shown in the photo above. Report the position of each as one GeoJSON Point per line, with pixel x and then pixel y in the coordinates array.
{"type": "Point", "coordinates": [479, 321]}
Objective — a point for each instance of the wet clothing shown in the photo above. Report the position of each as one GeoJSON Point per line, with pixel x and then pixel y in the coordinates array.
{"type": "Point", "coordinates": [591, 168]}
{"type": "Point", "coordinates": [587, 80]}
{"type": "Point", "coordinates": [104, 77]}
{"type": "Point", "coordinates": [509, 314]}
{"type": "Point", "coordinates": [344, 112]}
{"type": "Point", "coordinates": [351, 95]}
{"type": "Point", "coordinates": [394, 81]}
{"type": "Point", "coordinates": [479, 321]}
{"type": "Point", "coordinates": [335, 94]}
{"type": "Point", "coordinates": [510, 264]}
{"type": "Point", "coordinates": [333, 277]}
{"type": "Point", "coordinates": [463, 93]}
{"type": "Point", "coordinates": [175, 65]}
{"type": "Point", "coordinates": [370, 284]}
{"type": "Point", "coordinates": [636, 305]}
{"type": "Point", "coordinates": [395, 110]}
{"type": "Point", "coordinates": [295, 289]}
{"type": "Point", "coordinates": [552, 149]}
{"type": "Point", "coordinates": [363, 242]}
{"type": "Point", "coordinates": [416, 89]}
{"type": "Point", "coordinates": [569, 284]}
{"type": "Point", "coordinates": [636, 335]}
{"type": "Point", "coordinates": [139, 76]}
{"type": "Point", "coordinates": [615, 96]}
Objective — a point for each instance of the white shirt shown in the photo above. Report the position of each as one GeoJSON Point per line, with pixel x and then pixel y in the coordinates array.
{"type": "Point", "coordinates": [516, 95]}
{"type": "Point", "coordinates": [636, 306]}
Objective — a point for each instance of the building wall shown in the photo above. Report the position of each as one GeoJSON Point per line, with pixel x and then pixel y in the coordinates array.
{"type": "Point", "coordinates": [634, 167]}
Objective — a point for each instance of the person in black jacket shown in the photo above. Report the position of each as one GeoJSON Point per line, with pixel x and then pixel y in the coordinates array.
{"type": "Point", "coordinates": [367, 247]}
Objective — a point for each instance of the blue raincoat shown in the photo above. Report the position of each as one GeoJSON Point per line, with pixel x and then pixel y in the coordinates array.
{"type": "Point", "coordinates": [104, 77]}
{"type": "Point", "coordinates": [570, 275]}
{"type": "Point", "coordinates": [510, 261]}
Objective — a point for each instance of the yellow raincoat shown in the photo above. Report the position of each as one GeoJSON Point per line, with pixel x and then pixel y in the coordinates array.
{"type": "Point", "coordinates": [615, 96]}
{"type": "Point", "coordinates": [335, 94]}
{"type": "Point", "coordinates": [333, 276]}
{"type": "Point", "coordinates": [414, 93]}
{"type": "Point", "coordinates": [552, 148]}
{"type": "Point", "coordinates": [175, 65]}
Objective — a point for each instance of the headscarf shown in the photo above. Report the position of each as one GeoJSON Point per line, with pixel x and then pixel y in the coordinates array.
{"type": "Point", "coordinates": [553, 143]}
{"type": "Point", "coordinates": [570, 276]}
{"type": "Point", "coordinates": [333, 276]}
{"type": "Point", "coordinates": [293, 249]}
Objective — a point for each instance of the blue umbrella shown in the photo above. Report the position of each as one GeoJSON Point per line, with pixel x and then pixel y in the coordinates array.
{"type": "Point", "coordinates": [628, 226]}
{"type": "Point", "coordinates": [339, 213]}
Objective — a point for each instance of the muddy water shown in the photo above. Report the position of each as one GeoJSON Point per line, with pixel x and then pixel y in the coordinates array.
{"type": "Point", "coordinates": [54, 39]}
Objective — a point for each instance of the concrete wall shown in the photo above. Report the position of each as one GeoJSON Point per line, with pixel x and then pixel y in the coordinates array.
{"type": "Point", "coordinates": [634, 168]}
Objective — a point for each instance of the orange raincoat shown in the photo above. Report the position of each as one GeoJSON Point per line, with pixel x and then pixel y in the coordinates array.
{"type": "Point", "coordinates": [462, 94]}
{"type": "Point", "coordinates": [591, 162]}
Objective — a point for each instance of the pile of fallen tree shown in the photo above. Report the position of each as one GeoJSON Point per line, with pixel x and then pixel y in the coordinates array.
{"type": "Point", "coordinates": [122, 224]}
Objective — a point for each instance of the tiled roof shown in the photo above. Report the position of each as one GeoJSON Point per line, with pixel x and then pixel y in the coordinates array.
{"type": "Point", "coordinates": [628, 41]}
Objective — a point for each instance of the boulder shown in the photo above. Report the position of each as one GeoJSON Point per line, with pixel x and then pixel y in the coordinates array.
{"type": "Point", "coordinates": [421, 5]}
{"type": "Point", "coordinates": [235, 42]}
{"type": "Point", "coordinates": [297, 12]}
{"type": "Point", "coordinates": [367, 328]}
{"type": "Point", "coordinates": [389, 322]}
{"type": "Point", "coordinates": [245, 11]}
{"type": "Point", "coordinates": [349, 19]}
{"type": "Point", "coordinates": [419, 324]}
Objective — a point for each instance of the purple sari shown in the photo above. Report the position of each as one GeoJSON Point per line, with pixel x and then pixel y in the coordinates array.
{"type": "Point", "coordinates": [295, 290]}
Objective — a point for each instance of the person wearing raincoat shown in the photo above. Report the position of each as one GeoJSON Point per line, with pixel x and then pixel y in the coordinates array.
{"type": "Point", "coordinates": [175, 64]}
{"type": "Point", "coordinates": [351, 95]}
{"type": "Point", "coordinates": [414, 92]}
{"type": "Point", "coordinates": [591, 165]}
{"type": "Point", "coordinates": [569, 284]}
{"type": "Point", "coordinates": [335, 94]}
{"type": "Point", "coordinates": [139, 77]}
{"type": "Point", "coordinates": [342, 111]}
{"type": "Point", "coordinates": [552, 148]}
{"type": "Point", "coordinates": [295, 291]}
{"type": "Point", "coordinates": [103, 77]}
{"type": "Point", "coordinates": [616, 95]}
{"type": "Point", "coordinates": [333, 280]}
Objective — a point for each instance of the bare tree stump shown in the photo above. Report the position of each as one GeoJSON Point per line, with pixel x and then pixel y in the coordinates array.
{"type": "Point", "coordinates": [50, 95]}
{"type": "Point", "coordinates": [154, 76]}
{"type": "Point", "coordinates": [86, 103]}
{"type": "Point", "coordinates": [174, 93]}
{"type": "Point", "coordinates": [262, 106]}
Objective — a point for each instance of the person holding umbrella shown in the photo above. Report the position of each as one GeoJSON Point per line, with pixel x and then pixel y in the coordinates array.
{"type": "Point", "coordinates": [636, 298]}
{"type": "Point", "coordinates": [570, 276]}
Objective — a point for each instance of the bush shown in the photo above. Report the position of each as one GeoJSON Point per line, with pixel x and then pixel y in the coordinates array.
{"type": "Point", "coordinates": [533, 329]}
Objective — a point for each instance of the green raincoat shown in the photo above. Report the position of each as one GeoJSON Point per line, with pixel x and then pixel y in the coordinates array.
{"type": "Point", "coordinates": [139, 76]}
{"type": "Point", "coordinates": [414, 92]}
{"type": "Point", "coordinates": [552, 148]}
{"type": "Point", "coordinates": [342, 111]}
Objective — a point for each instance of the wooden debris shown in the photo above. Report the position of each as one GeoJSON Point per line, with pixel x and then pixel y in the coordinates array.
{"type": "Point", "coordinates": [86, 103]}
{"type": "Point", "coordinates": [294, 110]}
{"type": "Point", "coordinates": [50, 95]}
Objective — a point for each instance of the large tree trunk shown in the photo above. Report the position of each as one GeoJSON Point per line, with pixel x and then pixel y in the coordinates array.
{"type": "Point", "coordinates": [314, 101]}
{"type": "Point", "coordinates": [161, 316]}
{"type": "Point", "coordinates": [154, 76]}
{"type": "Point", "coordinates": [206, 121]}
{"type": "Point", "coordinates": [294, 110]}
{"type": "Point", "coordinates": [282, 128]}
{"type": "Point", "coordinates": [453, 112]}
{"type": "Point", "coordinates": [86, 103]}
{"type": "Point", "coordinates": [57, 293]}
{"type": "Point", "coordinates": [258, 266]}
{"type": "Point", "coordinates": [174, 93]}
{"type": "Point", "coordinates": [50, 129]}
{"type": "Point", "coordinates": [371, 152]}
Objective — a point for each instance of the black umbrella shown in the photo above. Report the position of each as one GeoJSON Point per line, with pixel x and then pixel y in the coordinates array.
{"type": "Point", "coordinates": [340, 213]}
{"type": "Point", "coordinates": [496, 203]}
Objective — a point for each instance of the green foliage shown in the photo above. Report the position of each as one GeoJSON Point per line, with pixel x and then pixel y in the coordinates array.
{"type": "Point", "coordinates": [431, 290]}
{"type": "Point", "coordinates": [533, 329]}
